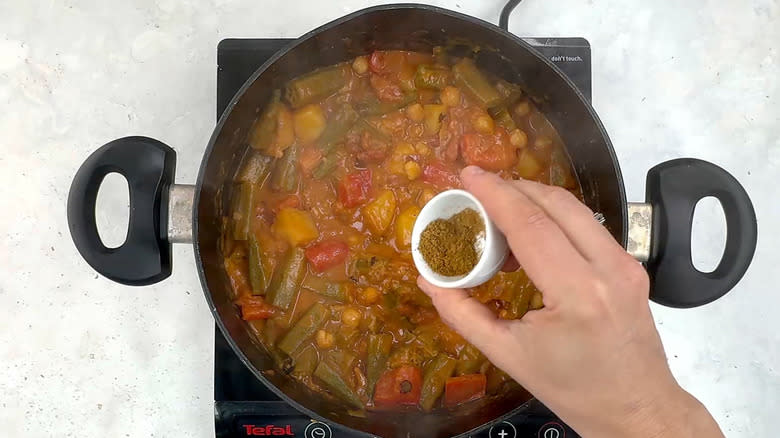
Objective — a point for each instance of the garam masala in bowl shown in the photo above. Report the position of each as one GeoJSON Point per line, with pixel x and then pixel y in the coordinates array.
{"type": "Point", "coordinates": [452, 247]}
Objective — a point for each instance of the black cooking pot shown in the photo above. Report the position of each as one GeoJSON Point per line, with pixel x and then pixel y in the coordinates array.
{"type": "Point", "coordinates": [657, 232]}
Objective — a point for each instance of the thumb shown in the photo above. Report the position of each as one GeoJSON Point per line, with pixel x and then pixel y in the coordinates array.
{"type": "Point", "coordinates": [470, 318]}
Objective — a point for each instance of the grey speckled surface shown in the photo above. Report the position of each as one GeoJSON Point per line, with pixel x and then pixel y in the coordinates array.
{"type": "Point", "coordinates": [85, 357]}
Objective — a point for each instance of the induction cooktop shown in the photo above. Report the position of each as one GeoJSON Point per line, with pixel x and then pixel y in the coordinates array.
{"type": "Point", "coordinates": [245, 407]}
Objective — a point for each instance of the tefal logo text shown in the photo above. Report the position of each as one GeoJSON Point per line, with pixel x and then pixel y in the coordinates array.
{"type": "Point", "coordinates": [268, 430]}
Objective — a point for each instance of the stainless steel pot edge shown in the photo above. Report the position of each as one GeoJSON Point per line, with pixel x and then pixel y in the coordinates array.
{"type": "Point", "coordinates": [181, 201]}
{"type": "Point", "coordinates": [640, 230]}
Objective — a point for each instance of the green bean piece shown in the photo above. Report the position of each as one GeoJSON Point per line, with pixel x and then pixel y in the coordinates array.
{"type": "Point", "coordinates": [369, 127]}
{"type": "Point", "coordinates": [501, 115]}
{"type": "Point", "coordinates": [283, 363]}
{"type": "Point", "coordinates": [427, 341]}
{"type": "Point", "coordinates": [286, 281]}
{"type": "Point", "coordinates": [328, 164]}
{"type": "Point", "coordinates": [431, 76]}
{"type": "Point", "coordinates": [335, 381]}
{"type": "Point", "coordinates": [337, 291]}
{"type": "Point", "coordinates": [559, 170]}
{"type": "Point", "coordinates": [315, 86]}
{"type": "Point", "coordinates": [440, 56]}
{"type": "Point", "coordinates": [371, 321]}
{"type": "Point", "coordinates": [263, 132]}
{"type": "Point", "coordinates": [338, 126]}
{"type": "Point", "coordinates": [390, 301]}
{"type": "Point", "coordinates": [510, 93]}
{"type": "Point", "coordinates": [521, 300]}
{"type": "Point", "coordinates": [260, 267]}
{"type": "Point", "coordinates": [287, 176]}
{"type": "Point", "coordinates": [306, 362]}
{"type": "Point", "coordinates": [469, 361]}
{"type": "Point", "coordinates": [242, 201]}
{"type": "Point", "coordinates": [256, 169]}
{"type": "Point", "coordinates": [435, 376]}
{"type": "Point", "coordinates": [274, 327]}
{"type": "Point", "coordinates": [345, 336]}
{"type": "Point", "coordinates": [362, 265]}
{"type": "Point", "coordinates": [469, 78]}
{"type": "Point", "coordinates": [256, 328]}
{"type": "Point", "coordinates": [496, 380]}
{"type": "Point", "coordinates": [372, 106]}
{"type": "Point", "coordinates": [342, 359]}
{"type": "Point", "coordinates": [410, 293]}
{"type": "Point", "coordinates": [379, 346]}
{"type": "Point", "coordinates": [311, 321]}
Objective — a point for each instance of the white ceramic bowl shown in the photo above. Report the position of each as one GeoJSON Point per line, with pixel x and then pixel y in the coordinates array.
{"type": "Point", "coordinates": [494, 252]}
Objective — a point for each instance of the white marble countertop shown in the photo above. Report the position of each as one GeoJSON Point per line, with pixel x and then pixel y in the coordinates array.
{"type": "Point", "coordinates": [82, 356]}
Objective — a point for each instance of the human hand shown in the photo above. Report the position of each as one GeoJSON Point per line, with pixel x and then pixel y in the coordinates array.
{"type": "Point", "coordinates": [592, 354]}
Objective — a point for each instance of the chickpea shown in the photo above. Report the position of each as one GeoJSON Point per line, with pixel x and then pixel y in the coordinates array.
{"type": "Point", "coordinates": [426, 195]}
{"type": "Point", "coordinates": [537, 301]}
{"type": "Point", "coordinates": [523, 108]}
{"type": "Point", "coordinates": [518, 139]}
{"type": "Point", "coordinates": [403, 148]}
{"type": "Point", "coordinates": [483, 123]}
{"type": "Point", "coordinates": [396, 166]}
{"type": "Point", "coordinates": [360, 65]}
{"type": "Point", "coordinates": [325, 339]}
{"type": "Point", "coordinates": [369, 296]}
{"type": "Point", "coordinates": [351, 317]}
{"type": "Point", "coordinates": [354, 239]}
{"type": "Point", "coordinates": [543, 144]}
{"type": "Point", "coordinates": [450, 96]}
{"type": "Point", "coordinates": [422, 149]}
{"type": "Point", "coordinates": [309, 123]}
{"type": "Point", "coordinates": [415, 112]}
{"type": "Point", "coordinates": [416, 130]}
{"type": "Point", "coordinates": [413, 170]}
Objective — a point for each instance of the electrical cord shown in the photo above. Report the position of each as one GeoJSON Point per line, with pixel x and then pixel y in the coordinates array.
{"type": "Point", "coordinates": [503, 21]}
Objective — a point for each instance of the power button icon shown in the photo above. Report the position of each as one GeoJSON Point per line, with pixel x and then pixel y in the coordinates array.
{"type": "Point", "coordinates": [315, 429]}
{"type": "Point", "coordinates": [552, 430]}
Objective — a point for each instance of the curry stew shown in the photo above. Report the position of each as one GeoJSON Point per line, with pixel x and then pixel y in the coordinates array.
{"type": "Point", "coordinates": [317, 243]}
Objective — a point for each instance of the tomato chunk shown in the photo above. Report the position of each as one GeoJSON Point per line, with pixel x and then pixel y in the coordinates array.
{"type": "Point", "coordinates": [377, 62]}
{"type": "Point", "coordinates": [254, 308]}
{"type": "Point", "coordinates": [385, 88]}
{"type": "Point", "coordinates": [289, 201]}
{"type": "Point", "coordinates": [441, 175]}
{"type": "Point", "coordinates": [309, 158]}
{"type": "Point", "coordinates": [462, 389]}
{"type": "Point", "coordinates": [354, 187]}
{"type": "Point", "coordinates": [237, 273]}
{"type": "Point", "coordinates": [326, 254]}
{"type": "Point", "coordinates": [399, 387]}
{"type": "Point", "coordinates": [489, 151]}
{"type": "Point", "coordinates": [389, 63]}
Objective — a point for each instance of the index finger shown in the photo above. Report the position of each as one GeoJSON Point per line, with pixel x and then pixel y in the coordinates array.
{"type": "Point", "coordinates": [537, 242]}
{"type": "Point", "coordinates": [470, 318]}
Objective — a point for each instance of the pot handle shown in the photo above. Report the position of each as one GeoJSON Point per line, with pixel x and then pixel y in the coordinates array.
{"type": "Point", "coordinates": [149, 167]}
{"type": "Point", "coordinates": [673, 189]}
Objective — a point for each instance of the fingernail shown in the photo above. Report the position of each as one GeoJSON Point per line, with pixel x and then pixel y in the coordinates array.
{"type": "Point", "coordinates": [422, 284]}
{"type": "Point", "coordinates": [473, 170]}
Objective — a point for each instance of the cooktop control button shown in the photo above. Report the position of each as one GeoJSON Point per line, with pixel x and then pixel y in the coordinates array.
{"type": "Point", "coordinates": [552, 430]}
{"type": "Point", "coordinates": [503, 429]}
{"type": "Point", "coordinates": [317, 430]}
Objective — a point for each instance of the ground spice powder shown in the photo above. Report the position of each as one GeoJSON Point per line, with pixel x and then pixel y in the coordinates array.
{"type": "Point", "coordinates": [449, 246]}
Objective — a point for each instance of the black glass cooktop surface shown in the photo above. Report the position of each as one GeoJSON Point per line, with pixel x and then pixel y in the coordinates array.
{"type": "Point", "coordinates": [244, 406]}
